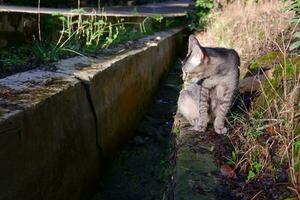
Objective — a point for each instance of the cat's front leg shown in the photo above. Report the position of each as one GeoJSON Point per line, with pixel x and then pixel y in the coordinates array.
{"type": "Point", "coordinates": [221, 112]}
{"type": "Point", "coordinates": [219, 126]}
{"type": "Point", "coordinates": [224, 101]}
{"type": "Point", "coordinates": [200, 123]}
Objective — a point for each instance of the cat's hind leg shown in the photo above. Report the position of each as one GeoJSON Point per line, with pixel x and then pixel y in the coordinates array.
{"type": "Point", "coordinates": [193, 107]}
{"type": "Point", "coordinates": [187, 105]}
{"type": "Point", "coordinates": [223, 103]}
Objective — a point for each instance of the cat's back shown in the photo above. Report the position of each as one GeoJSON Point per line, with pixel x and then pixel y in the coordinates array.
{"type": "Point", "coordinates": [230, 56]}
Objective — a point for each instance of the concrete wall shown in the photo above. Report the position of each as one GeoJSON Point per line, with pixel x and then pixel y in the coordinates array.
{"type": "Point", "coordinates": [56, 127]}
{"type": "Point", "coordinates": [17, 29]}
{"type": "Point", "coordinates": [48, 150]}
{"type": "Point", "coordinates": [121, 92]}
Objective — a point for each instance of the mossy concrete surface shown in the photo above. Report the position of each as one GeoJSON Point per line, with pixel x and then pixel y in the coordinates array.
{"type": "Point", "coordinates": [55, 126]}
{"type": "Point", "coordinates": [195, 177]}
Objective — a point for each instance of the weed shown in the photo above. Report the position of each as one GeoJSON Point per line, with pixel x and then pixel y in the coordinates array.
{"type": "Point", "coordinates": [266, 135]}
{"type": "Point", "coordinates": [270, 126]}
{"type": "Point", "coordinates": [158, 18]}
{"type": "Point", "coordinates": [14, 59]}
{"type": "Point", "coordinates": [79, 35]}
{"type": "Point", "coordinates": [233, 160]}
{"type": "Point", "coordinates": [175, 130]}
{"type": "Point", "coordinates": [11, 58]}
{"type": "Point", "coordinates": [125, 36]}
{"type": "Point", "coordinates": [254, 170]}
{"type": "Point", "coordinates": [295, 6]}
{"type": "Point", "coordinates": [95, 31]}
{"type": "Point", "coordinates": [199, 19]}
{"type": "Point", "coordinates": [46, 53]}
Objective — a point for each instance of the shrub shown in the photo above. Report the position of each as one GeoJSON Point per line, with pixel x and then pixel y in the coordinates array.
{"type": "Point", "coordinates": [199, 19]}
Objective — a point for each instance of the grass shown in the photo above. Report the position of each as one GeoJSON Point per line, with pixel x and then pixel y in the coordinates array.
{"type": "Point", "coordinates": [78, 36]}
{"type": "Point", "coordinates": [18, 59]}
{"type": "Point", "coordinates": [249, 28]}
{"type": "Point", "coordinates": [266, 136]}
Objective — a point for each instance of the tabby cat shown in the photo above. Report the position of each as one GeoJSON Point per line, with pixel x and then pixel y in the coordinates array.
{"type": "Point", "coordinates": [211, 76]}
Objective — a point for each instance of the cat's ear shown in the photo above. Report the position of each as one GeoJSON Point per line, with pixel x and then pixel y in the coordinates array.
{"type": "Point", "coordinates": [194, 46]}
{"type": "Point", "coordinates": [193, 43]}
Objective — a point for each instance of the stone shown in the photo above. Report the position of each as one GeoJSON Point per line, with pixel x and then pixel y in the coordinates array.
{"type": "Point", "coordinates": [251, 83]}
{"type": "Point", "coordinates": [23, 80]}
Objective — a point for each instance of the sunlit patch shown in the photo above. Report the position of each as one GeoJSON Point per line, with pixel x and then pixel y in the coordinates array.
{"type": "Point", "coordinates": [195, 61]}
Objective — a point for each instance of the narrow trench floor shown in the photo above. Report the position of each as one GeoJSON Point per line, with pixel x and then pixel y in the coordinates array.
{"type": "Point", "coordinates": [141, 171]}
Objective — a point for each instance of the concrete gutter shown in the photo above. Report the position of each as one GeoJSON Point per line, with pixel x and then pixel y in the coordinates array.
{"type": "Point", "coordinates": [56, 126]}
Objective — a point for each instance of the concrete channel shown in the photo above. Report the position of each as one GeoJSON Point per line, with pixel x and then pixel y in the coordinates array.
{"type": "Point", "coordinates": [57, 127]}
{"type": "Point", "coordinates": [144, 169]}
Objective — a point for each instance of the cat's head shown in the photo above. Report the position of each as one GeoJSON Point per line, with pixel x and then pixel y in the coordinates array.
{"type": "Point", "coordinates": [196, 59]}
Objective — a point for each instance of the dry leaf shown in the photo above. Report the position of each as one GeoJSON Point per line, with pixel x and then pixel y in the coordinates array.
{"type": "Point", "coordinates": [228, 172]}
{"type": "Point", "coordinates": [5, 93]}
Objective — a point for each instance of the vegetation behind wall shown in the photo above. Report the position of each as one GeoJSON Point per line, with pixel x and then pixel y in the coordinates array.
{"type": "Point", "coordinates": [202, 10]}
{"type": "Point", "coordinates": [74, 3]}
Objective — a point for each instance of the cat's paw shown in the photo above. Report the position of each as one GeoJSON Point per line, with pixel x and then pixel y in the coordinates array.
{"type": "Point", "coordinates": [199, 124]}
{"type": "Point", "coordinates": [198, 128]}
{"type": "Point", "coordinates": [221, 130]}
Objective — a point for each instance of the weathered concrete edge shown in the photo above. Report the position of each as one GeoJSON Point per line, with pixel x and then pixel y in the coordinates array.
{"type": "Point", "coordinates": [195, 171]}
{"type": "Point", "coordinates": [49, 147]}
{"type": "Point", "coordinates": [45, 11]}
{"type": "Point", "coordinates": [124, 110]}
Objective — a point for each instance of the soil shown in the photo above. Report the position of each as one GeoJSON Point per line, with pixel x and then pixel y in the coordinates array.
{"type": "Point", "coordinates": [238, 187]}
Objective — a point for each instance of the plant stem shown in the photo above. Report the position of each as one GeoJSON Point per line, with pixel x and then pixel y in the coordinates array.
{"type": "Point", "coordinates": [39, 20]}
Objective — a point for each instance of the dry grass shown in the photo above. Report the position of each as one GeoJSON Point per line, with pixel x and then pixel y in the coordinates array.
{"type": "Point", "coordinates": [266, 137]}
{"type": "Point", "coordinates": [249, 28]}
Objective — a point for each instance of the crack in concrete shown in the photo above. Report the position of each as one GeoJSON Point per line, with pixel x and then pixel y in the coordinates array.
{"type": "Point", "coordinates": [86, 86]}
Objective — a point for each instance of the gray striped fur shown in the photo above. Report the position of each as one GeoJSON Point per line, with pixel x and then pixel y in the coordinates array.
{"type": "Point", "coordinates": [211, 76]}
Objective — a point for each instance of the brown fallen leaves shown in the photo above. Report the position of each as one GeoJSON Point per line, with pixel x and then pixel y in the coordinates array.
{"type": "Point", "coordinates": [6, 93]}
{"type": "Point", "coordinates": [228, 172]}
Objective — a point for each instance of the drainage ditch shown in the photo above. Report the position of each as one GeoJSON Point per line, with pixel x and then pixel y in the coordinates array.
{"type": "Point", "coordinates": [144, 168]}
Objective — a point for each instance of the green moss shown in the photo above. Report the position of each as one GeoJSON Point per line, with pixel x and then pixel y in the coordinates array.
{"type": "Point", "coordinates": [288, 71]}
{"type": "Point", "coordinates": [283, 76]}
{"type": "Point", "coordinates": [194, 170]}
{"type": "Point", "coordinates": [263, 60]}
